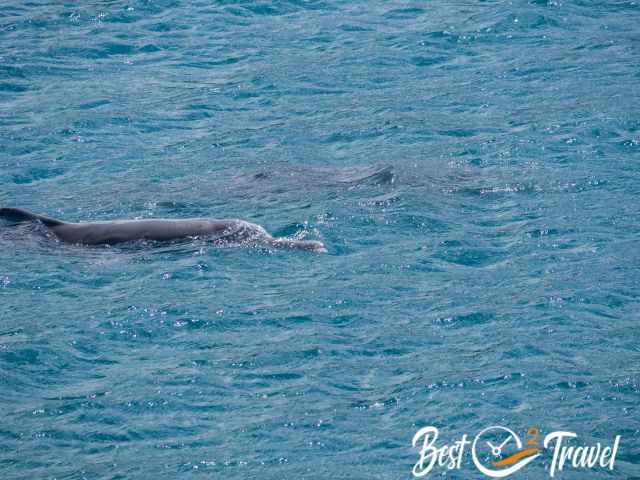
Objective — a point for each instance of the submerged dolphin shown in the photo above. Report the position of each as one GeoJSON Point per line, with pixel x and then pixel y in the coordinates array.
{"type": "Point", "coordinates": [120, 231]}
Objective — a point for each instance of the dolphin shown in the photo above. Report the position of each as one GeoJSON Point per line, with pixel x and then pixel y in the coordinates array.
{"type": "Point", "coordinates": [162, 230]}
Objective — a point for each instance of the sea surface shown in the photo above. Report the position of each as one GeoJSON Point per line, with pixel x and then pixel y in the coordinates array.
{"type": "Point", "coordinates": [472, 166]}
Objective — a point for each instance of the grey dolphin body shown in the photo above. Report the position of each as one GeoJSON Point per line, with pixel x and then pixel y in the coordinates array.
{"type": "Point", "coordinates": [120, 231]}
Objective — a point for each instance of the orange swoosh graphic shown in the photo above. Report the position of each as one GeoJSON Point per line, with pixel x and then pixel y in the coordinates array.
{"type": "Point", "coordinates": [515, 457]}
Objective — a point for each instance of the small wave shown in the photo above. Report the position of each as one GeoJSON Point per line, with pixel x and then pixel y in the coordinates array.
{"type": "Point", "coordinates": [372, 176]}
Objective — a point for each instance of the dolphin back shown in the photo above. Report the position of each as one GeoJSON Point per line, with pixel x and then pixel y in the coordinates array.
{"type": "Point", "coordinates": [18, 215]}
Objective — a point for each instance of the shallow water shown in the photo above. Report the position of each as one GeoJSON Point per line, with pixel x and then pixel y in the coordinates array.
{"type": "Point", "coordinates": [471, 166]}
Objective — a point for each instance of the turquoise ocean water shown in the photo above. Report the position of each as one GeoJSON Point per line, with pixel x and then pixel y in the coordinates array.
{"type": "Point", "coordinates": [473, 168]}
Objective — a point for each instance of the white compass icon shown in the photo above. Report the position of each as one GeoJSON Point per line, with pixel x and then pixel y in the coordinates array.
{"type": "Point", "coordinates": [507, 466]}
{"type": "Point", "coordinates": [497, 451]}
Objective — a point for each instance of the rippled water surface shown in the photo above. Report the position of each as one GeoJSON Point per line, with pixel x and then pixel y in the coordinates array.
{"type": "Point", "coordinates": [471, 166]}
